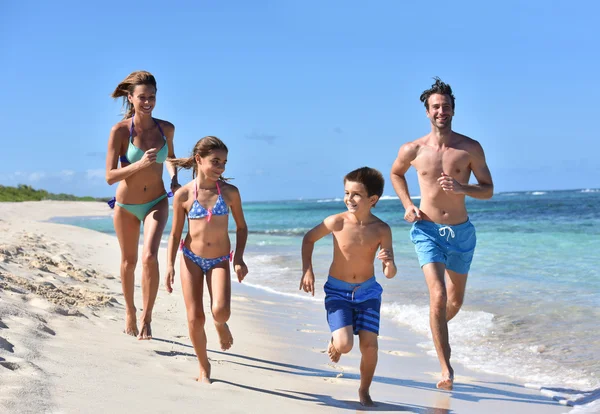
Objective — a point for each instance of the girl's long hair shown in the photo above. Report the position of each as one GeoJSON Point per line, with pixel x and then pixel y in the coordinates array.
{"type": "Point", "coordinates": [202, 148]}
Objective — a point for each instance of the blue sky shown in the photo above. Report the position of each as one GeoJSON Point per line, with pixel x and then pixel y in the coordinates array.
{"type": "Point", "coordinates": [302, 91]}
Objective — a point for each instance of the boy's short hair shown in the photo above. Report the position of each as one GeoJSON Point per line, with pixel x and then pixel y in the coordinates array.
{"type": "Point", "coordinates": [371, 178]}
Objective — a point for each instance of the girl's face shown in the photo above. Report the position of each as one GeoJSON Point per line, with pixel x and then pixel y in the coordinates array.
{"type": "Point", "coordinates": [143, 99]}
{"type": "Point", "coordinates": [213, 165]}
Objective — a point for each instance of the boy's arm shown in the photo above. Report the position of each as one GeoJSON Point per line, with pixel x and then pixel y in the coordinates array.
{"type": "Point", "coordinates": [308, 243]}
{"type": "Point", "coordinates": [176, 230]}
{"type": "Point", "coordinates": [386, 253]}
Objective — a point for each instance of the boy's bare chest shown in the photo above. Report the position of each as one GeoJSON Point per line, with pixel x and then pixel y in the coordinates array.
{"type": "Point", "coordinates": [356, 239]}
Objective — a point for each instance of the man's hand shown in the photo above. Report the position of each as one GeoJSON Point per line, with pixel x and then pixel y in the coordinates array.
{"type": "Point", "coordinates": [412, 214]}
{"type": "Point", "coordinates": [450, 185]}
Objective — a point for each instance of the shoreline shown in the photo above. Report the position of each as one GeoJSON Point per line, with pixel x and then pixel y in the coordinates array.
{"type": "Point", "coordinates": [277, 361]}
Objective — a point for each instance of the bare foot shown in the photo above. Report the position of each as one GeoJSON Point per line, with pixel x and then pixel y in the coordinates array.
{"type": "Point", "coordinates": [204, 377]}
{"type": "Point", "coordinates": [225, 337]}
{"type": "Point", "coordinates": [446, 383]}
{"type": "Point", "coordinates": [365, 398]}
{"type": "Point", "coordinates": [146, 332]}
{"type": "Point", "coordinates": [204, 380]}
{"type": "Point", "coordinates": [333, 353]}
{"type": "Point", "coordinates": [130, 324]}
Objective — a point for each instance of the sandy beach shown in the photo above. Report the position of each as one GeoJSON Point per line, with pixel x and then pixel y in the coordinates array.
{"type": "Point", "coordinates": [62, 349]}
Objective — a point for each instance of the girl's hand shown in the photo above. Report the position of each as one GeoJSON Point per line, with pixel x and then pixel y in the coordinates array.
{"type": "Point", "coordinates": [170, 279]}
{"type": "Point", "coordinates": [240, 269]}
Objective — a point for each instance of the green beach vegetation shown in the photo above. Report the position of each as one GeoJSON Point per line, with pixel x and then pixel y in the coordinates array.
{"type": "Point", "coordinates": [27, 193]}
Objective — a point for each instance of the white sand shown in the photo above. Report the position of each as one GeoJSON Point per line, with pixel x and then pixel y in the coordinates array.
{"type": "Point", "coordinates": [62, 350]}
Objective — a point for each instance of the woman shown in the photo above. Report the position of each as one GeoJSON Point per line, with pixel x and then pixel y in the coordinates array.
{"type": "Point", "coordinates": [142, 144]}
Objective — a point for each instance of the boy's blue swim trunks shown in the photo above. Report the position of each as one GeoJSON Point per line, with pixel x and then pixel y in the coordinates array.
{"type": "Point", "coordinates": [355, 304]}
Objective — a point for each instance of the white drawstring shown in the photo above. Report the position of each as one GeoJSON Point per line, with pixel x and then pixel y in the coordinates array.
{"type": "Point", "coordinates": [442, 231]}
{"type": "Point", "coordinates": [354, 290]}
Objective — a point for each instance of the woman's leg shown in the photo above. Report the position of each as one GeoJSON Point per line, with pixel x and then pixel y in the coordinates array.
{"type": "Point", "coordinates": [154, 226]}
{"type": "Point", "coordinates": [127, 227]}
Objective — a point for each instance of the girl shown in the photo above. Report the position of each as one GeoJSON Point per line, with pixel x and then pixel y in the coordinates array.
{"type": "Point", "coordinates": [206, 201]}
{"type": "Point", "coordinates": [142, 144]}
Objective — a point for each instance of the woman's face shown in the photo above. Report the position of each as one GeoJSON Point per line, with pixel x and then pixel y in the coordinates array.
{"type": "Point", "coordinates": [143, 99]}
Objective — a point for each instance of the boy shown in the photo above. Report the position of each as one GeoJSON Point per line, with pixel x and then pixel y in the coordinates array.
{"type": "Point", "coordinates": [352, 294]}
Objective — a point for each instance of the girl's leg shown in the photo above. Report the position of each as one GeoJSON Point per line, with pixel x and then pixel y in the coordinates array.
{"type": "Point", "coordinates": [192, 285]}
{"type": "Point", "coordinates": [218, 280]}
{"type": "Point", "coordinates": [127, 227]}
{"type": "Point", "coordinates": [154, 225]}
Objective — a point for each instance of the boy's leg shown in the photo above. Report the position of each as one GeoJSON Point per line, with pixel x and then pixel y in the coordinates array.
{"type": "Point", "coordinates": [368, 362]}
{"type": "Point", "coordinates": [342, 340]}
{"type": "Point", "coordinates": [340, 319]}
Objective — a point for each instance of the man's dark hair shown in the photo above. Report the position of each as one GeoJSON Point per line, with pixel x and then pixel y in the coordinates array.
{"type": "Point", "coordinates": [371, 178]}
{"type": "Point", "coordinates": [438, 87]}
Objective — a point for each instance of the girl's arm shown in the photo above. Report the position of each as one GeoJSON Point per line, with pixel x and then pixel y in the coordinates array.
{"type": "Point", "coordinates": [176, 229]}
{"type": "Point", "coordinates": [241, 232]}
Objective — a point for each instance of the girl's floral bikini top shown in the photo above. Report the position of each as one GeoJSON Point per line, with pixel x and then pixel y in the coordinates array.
{"type": "Point", "coordinates": [197, 211]}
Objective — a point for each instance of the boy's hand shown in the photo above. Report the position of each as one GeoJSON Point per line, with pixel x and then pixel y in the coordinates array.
{"type": "Point", "coordinates": [170, 279]}
{"type": "Point", "coordinates": [308, 282]}
{"type": "Point", "coordinates": [240, 269]}
{"type": "Point", "coordinates": [385, 256]}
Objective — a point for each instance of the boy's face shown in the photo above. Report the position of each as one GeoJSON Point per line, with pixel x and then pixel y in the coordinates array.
{"type": "Point", "coordinates": [356, 197]}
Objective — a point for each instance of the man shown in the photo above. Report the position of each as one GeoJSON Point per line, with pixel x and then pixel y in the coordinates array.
{"type": "Point", "coordinates": [444, 237]}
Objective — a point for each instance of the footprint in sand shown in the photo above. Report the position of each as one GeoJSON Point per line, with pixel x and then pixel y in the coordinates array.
{"type": "Point", "coordinates": [400, 353]}
{"type": "Point", "coordinates": [7, 346]}
{"type": "Point", "coordinates": [307, 330]}
{"type": "Point", "coordinates": [13, 366]}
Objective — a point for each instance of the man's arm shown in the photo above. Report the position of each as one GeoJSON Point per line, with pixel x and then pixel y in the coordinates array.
{"type": "Point", "coordinates": [484, 188]}
{"type": "Point", "coordinates": [406, 154]}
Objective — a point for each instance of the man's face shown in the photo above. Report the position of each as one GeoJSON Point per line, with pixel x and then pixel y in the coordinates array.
{"type": "Point", "coordinates": [440, 111]}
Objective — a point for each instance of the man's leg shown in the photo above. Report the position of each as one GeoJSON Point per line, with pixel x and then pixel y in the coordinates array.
{"type": "Point", "coordinates": [456, 284]}
{"type": "Point", "coordinates": [438, 301]}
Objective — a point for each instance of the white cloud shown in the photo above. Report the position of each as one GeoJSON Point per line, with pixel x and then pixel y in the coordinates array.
{"type": "Point", "coordinates": [95, 174]}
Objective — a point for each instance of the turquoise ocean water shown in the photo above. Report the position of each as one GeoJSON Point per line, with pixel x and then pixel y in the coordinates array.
{"type": "Point", "coordinates": [533, 297]}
